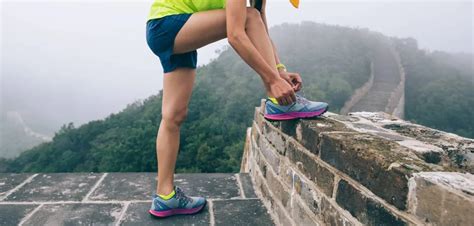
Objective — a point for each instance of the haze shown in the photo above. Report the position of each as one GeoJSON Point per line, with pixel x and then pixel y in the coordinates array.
{"type": "Point", "coordinates": [76, 61]}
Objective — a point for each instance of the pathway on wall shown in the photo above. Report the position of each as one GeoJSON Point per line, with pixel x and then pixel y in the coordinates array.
{"type": "Point", "coordinates": [123, 199]}
{"type": "Point", "coordinates": [386, 79]}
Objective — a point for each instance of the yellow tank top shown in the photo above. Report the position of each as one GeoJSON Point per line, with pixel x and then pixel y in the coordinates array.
{"type": "Point", "coordinates": [162, 8]}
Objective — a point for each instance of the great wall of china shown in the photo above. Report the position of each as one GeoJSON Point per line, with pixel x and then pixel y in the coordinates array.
{"type": "Point", "coordinates": [385, 89]}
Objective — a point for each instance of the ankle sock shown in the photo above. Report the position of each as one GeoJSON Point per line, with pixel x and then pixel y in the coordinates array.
{"type": "Point", "coordinates": [274, 100]}
{"type": "Point", "coordinates": [168, 196]}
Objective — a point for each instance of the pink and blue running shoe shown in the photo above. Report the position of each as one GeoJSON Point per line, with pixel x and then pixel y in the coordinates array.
{"type": "Point", "coordinates": [178, 204]}
{"type": "Point", "coordinates": [301, 108]}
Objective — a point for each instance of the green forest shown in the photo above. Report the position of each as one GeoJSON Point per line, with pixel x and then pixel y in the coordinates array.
{"type": "Point", "coordinates": [439, 90]}
{"type": "Point", "coordinates": [332, 60]}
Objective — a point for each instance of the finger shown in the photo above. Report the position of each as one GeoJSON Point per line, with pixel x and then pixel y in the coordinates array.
{"type": "Point", "coordinates": [298, 86]}
{"type": "Point", "coordinates": [293, 96]}
{"type": "Point", "coordinates": [280, 101]}
{"type": "Point", "coordinates": [299, 79]}
{"type": "Point", "coordinates": [287, 102]}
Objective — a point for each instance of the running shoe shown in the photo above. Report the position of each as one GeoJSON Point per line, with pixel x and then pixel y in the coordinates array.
{"type": "Point", "coordinates": [301, 108]}
{"type": "Point", "coordinates": [180, 203]}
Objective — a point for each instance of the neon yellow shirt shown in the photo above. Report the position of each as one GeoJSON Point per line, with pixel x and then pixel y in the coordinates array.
{"type": "Point", "coordinates": [162, 8]}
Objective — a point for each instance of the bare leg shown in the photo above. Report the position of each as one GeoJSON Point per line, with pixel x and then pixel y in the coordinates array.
{"type": "Point", "coordinates": [201, 29]}
{"type": "Point", "coordinates": [177, 89]}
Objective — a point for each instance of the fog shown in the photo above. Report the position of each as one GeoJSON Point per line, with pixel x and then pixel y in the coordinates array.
{"type": "Point", "coordinates": [76, 61]}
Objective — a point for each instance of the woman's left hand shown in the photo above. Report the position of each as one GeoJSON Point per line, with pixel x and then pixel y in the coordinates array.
{"type": "Point", "coordinates": [294, 79]}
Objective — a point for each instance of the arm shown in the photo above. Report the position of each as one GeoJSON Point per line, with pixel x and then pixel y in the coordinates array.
{"type": "Point", "coordinates": [294, 79]}
{"type": "Point", "coordinates": [264, 18]}
{"type": "Point", "coordinates": [236, 18]}
{"type": "Point", "coordinates": [236, 14]}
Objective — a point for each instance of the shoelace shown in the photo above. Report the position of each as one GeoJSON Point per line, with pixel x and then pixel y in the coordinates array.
{"type": "Point", "coordinates": [181, 196]}
{"type": "Point", "coordinates": [301, 100]}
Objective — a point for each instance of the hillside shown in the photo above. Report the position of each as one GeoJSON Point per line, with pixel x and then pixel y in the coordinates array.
{"type": "Point", "coordinates": [439, 88]}
{"type": "Point", "coordinates": [333, 61]}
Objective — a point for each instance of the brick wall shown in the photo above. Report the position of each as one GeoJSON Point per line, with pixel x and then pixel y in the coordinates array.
{"type": "Point", "coordinates": [361, 169]}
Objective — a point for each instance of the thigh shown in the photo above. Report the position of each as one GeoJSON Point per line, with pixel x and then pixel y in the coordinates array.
{"type": "Point", "coordinates": [177, 90]}
{"type": "Point", "coordinates": [202, 28]}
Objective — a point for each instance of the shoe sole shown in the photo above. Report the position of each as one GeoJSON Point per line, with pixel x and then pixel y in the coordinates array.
{"type": "Point", "coordinates": [167, 213]}
{"type": "Point", "coordinates": [295, 115]}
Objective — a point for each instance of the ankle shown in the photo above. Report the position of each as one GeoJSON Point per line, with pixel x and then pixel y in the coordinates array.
{"type": "Point", "coordinates": [166, 190]}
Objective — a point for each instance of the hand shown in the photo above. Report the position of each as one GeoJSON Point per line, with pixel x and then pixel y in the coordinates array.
{"type": "Point", "coordinates": [282, 91]}
{"type": "Point", "coordinates": [294, 79]}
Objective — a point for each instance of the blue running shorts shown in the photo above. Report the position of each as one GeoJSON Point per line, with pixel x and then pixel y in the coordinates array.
{"type": "Point", "coordinates": [160, 36]}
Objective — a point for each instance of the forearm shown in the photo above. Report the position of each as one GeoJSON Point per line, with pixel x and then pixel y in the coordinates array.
{"type": "Point", "coordinates": [247, 51]}
{"type": "Point", "coordinates": [275, 52]}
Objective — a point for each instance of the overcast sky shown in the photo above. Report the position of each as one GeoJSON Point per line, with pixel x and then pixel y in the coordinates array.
{"type": "Point", "coordinates": [82, 60]}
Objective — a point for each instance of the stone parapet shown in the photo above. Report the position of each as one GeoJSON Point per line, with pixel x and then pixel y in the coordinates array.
{"type": "Point", "coordinates": [361, 169]}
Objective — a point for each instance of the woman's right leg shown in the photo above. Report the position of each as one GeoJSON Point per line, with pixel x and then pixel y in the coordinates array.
{"type": "Point", "coordinates": [177, 89]}
{"type": "Point", "coordinates": [201, 29]}
{"type": "Point", "coordinates": [210, 26]}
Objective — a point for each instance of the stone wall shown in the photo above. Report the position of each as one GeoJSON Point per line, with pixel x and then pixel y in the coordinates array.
{"type": "Point", "coordinates": [360, 169]}
{"type": "Point", "coordinates": [396, 103]}
{"type": "Point", "coordinates": [359, 93]}
{"type": "Point", "coordinates": [386, 87]}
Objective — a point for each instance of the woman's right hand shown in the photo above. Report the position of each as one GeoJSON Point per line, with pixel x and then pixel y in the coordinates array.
{"type": "Point", "coordinates": [282, 91]}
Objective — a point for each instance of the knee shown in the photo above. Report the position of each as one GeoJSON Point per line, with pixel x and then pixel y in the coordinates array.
{"type": "Point", "coordinates": [174, 118]}
{"type": "Point", "coordinates": [253, 16]}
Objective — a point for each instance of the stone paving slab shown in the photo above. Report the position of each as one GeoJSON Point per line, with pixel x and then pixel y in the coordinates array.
{"type": "Point", "coordinates": [12, 214]}
{"type": "Point", "coordinates": [247, 185]}
{"type": "Point", "coordinates": [213, 185]}
{"type": "Point", "coordinates": [124, 198]}
{"type": "Point", "coordinates": [140, 186]}
{"type": "Point", "coordinates": [125, 186]}
{"type": "Point", "coordinates": [56, 187]}
{"type": "Point", "coordinates": [10, 180]}
{"type": "Point", "coordinates": [76, 214]}
{"type": "Point", "coordinates": [241, 212]}
{"type": "Point", "coordinates": [137, 215]}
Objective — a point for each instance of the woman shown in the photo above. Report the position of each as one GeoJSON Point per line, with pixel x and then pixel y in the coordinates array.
{"type": "Point", "coordinates": [175, 29]}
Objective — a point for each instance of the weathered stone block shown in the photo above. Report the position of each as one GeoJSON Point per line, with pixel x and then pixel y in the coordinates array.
{"type": "Point", "coordinates": [76, 214]}
{"type": "Point", "coordinates": [256, 132]}
{"type": "Point", "coordinates": [289, 127]}
{"type": "Point", "coordinates": [12, 214]}
{"type": "Point", "coordinates": [210, 185]}
{"type": "Point", "coordinates": [9, 181]}
{"type": "Point", "coordinates": [300, 215]}
{"type": "Point", "coordinates": [443, 198]}
{"type": "Point", "coordinates": [125, 186]}
{"type": "Point", "coordinates": [286, 173]}
{"type": "Point", "coordinates": [321, 176]}
{"type": "Point", "coordinates": [270, 154]}
{"type": "Point", "coordinates": [310, 130]}
{"type": "Point", "coordinates": [241, 212]}
{"type": "Point", "coordinates": [331, 215]}
{"type": "Point", "coordinates": [56, 186]}
{"type": "Point", "coordinates": [442, 148]}
{"type": "Point", "coordinates": [259, 119]}
{"type": "Point", "coordinates": [267, 197]}
{"type": "Point", "coordinates": [261, 164]}
{"type": "Point", "coordinates": [281, 193]}
{"type": "Point", "coordinates": [380, 165]}
{"type": "Point", "coordinates": [275, 137]}
{"type": "Point", "coordinates": [247, 185]}
{"type": "Point", "coordinates": [367, 210]}
{"type": "Point", "coordinates": [310, 197]}
{"type": "Point", "coordinates": [321, 207]}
